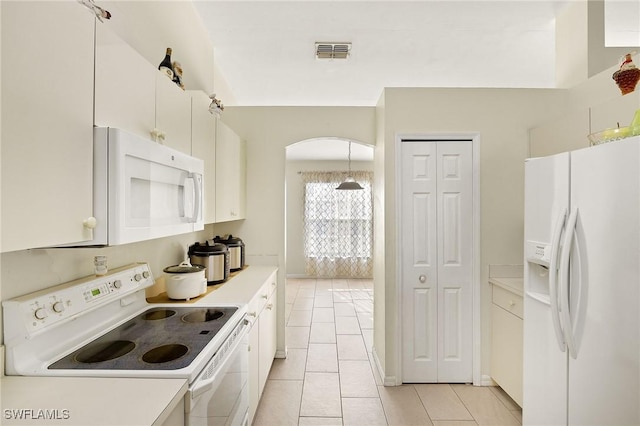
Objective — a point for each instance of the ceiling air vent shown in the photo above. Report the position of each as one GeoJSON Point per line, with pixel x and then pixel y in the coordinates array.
{"type": "Point", "coordinates": [332, 50]}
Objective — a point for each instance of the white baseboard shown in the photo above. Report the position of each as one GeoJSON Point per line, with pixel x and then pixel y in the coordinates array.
{"type": "Point", "coordinates": [281, 354]}
{"type": "Point", "coordinates": [487, 381]}
{"type": "Point", "coordinates": [386, 380]}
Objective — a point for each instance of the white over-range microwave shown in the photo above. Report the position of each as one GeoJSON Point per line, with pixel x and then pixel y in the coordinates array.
{"type": "Point", "coordinates": [142, 189]}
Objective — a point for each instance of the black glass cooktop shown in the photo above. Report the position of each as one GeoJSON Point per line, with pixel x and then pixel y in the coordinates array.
{"type": "Point", "coordinates": [158, 339]}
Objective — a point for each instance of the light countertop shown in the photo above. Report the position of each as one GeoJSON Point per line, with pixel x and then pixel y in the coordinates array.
{"type": "Point", "coordinates": [89, 401]}
{"type": "Point", "coordinates": [514, 285]}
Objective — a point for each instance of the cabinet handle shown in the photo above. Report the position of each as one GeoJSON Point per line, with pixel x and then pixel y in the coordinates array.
{"type": "Point", "coordinates": [512, 303]}
{"type": "Point", "coordinates": [90, 223]}
{"type": "Point", "coordinates": [252, 314]}
{"type": "Point", "coordinates": [270, 306]}
{"type": "Point", "coordinates": [265, 296]}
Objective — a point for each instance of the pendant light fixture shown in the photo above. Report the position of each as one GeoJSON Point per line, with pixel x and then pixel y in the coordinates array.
{"type": "Point", "coordinates": [349, 183]}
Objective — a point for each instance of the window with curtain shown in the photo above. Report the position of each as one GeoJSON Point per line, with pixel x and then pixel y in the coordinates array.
{"type": "Point", "coordinates": [338, 226]}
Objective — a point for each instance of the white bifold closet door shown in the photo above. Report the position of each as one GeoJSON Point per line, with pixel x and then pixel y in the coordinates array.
{"type": "Point", "coordinates": [437, 259]}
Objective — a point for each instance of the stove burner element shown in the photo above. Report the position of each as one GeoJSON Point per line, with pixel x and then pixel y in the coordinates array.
{"type": "Point", "coordinates": [105, 351]}
{"type": "Point", "coordinates": [203, 315]}
{"type": "Point", "coordinates": [164, 353]}
{"type": "Point", "coordinates": [158, 314]}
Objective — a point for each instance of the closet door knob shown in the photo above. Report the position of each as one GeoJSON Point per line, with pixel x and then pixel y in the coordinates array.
{"type": "Point", "coordinates": [423, 278]}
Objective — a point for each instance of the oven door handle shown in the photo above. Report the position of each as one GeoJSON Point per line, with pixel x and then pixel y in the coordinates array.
{"type": "Point", "coordinates": [203, 385]}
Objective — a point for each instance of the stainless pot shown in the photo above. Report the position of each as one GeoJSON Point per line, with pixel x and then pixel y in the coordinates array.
{"type": "Point", "coordinates": [185, 281]}
{"type": "Point", "coordinates": [236, 251]}
{"type": "Point", "coordinates": [214, 257]}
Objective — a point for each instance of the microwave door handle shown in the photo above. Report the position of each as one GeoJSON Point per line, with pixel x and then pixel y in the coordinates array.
{"type": "Point", "coordinates": [197, 190]}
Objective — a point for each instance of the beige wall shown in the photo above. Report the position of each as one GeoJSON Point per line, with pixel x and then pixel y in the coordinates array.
{"type": "Point", "coordinates": [267, 132]}
{"type": "Point", "coordinates": [294, 202]}
{"type": "Point", "coordinates": [502, 118]}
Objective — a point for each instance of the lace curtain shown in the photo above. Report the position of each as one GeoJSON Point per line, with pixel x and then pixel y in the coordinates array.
{"type": "Point", "coordinates": [338, 226]}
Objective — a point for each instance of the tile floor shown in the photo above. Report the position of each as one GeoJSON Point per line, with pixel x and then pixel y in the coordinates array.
{"type": "Point", "coordinates": [329, 378]}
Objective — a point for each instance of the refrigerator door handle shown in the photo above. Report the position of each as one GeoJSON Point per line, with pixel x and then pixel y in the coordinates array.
{"type": "Point", "coordinates": [553, 281]}
{"type": "Point", "coordinates": [565, 314]}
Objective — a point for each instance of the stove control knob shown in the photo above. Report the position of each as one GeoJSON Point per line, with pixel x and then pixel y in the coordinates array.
{"type": "Point", "coordinates": [58, 307]}
{"type": "Point", "coordinates": [117, 284]}
{"type": "Point", "coordinates": [145, 274]}
{"type": "Point", "coordinates": [137, 277]}
{"type": "Point", "coordinates": [40, 313]}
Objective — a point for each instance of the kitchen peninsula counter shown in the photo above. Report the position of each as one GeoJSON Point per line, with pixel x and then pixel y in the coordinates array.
{"type": "Point", "coordinates": [90, 401]}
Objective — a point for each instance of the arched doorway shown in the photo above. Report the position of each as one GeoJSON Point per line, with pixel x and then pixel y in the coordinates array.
{"type": "Point", "coordinates": [320, 159]}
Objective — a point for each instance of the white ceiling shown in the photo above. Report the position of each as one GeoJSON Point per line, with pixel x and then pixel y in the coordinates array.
{"type": "Point", "coordinates": [265, 49]}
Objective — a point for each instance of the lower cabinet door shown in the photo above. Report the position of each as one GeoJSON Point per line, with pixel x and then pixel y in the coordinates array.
{"type": "Point", "coordinates": [267, 339]}
{"type": "Point", "coordinates": [506, 352]}
{"type": "Point", "coordinates": [254, 370]}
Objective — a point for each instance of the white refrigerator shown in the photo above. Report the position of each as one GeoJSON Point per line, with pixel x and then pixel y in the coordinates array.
{"type": "Point", "coordinates": [582, 287]}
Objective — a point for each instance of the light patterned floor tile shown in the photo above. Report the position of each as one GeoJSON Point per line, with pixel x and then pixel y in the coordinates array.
{"type": "Point", "coordinates": [290, 368]}
{"type": "Point", "coordinates": [306, 292]}
{"type": "Point", "coordinates": [356, 380]}
{"type": "Point", "coordinates": [376, 372]}
{"type": "Point", "coordinates": [300, 319]}
{"type": "Point", "coordinates": [402, 406]}
{"type": "Point", "coordinates": [351, 346]}
{"type": "Point", "coordinates": [505, 399]}
{"type": "Point", "coordinates": [323, 315]}
{"type": "Point", "coordinates": [367, 335]}
{"type": "Point", "coordinates": [323, 301]}
{"type": "Point", "coordinates": [442, 403]}
{"type": "Point", "coordinates": [321, 395]}
{"type": "Point", "coordinates": [320, 421]}
{"type": "Point", "coordinates": [363, 305]}
{"type": "Point", "coordinates": [322, 357]}
{"type": "Point", "coordinates": [455, 423]}
{"type": "Point", "coordinates": [347, 325]}
{"type": "Point", "coordinates": [297, 337]}
{"type": "Point", "coordinates": [344, 309]}
{"type": "Point", "coordinates": [484, 406]}
{"type": "Point", "coordinates": [323, 332]}
{"type": "Point", "coordinates": [303, 304]}
{"type": "Point", "coordinates": [341, 296]}
{"type": "Point", "coordinates": [365, 319]}
{"type": "Point", "coordinates": [363, 412]}
{"type": "Point", "coordinates": [280, 403]}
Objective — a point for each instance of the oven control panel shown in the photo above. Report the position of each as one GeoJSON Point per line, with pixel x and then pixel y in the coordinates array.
{"type": "Point", "coordinates": [45, 308]}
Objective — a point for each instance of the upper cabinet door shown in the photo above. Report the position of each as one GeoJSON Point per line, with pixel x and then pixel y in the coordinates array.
{"type": "Point", "coordinates": [131, 94]}
{"type": "Point", "coordinates": [203, 146]}
{"type": "Point", "coordinates": [230, 175]}
{"type": "Point", "coordinates": [125, 85]}
{"type": "Point", "coordinates": [173, 114]}
{"type": "Point", "coordinates": [47, 117]}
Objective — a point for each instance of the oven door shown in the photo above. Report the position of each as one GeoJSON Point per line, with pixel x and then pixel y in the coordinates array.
{"type": "Point", "coordinates": [219, 396]}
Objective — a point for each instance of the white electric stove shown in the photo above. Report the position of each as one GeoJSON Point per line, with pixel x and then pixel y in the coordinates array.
{"type": "Point", "coordinates": [104, 327]}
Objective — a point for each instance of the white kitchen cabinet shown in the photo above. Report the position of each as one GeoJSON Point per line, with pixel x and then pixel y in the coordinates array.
{"type": "Point", "coordinates": [203, 146]}
{"type": "Point", "coordinates": [47, 116]}
{"type": "Point", "coordinates": [230, 174]}
{"type": "Point", "coordinates": [173, 113]}
{"type": "Point", "coordinates": [507, 311]}
{"type": "Point", "coordinates": [262, 311]}
{"type": "Point", "coordinates": [125, 85]}
{"type": "Point", "coordinates": [267, 339]}
{"type": "Point", "coordinates": [131, 94]}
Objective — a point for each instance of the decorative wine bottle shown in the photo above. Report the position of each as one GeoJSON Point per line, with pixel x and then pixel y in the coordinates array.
{"type": "Point", "coordinates": [165, 66]}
